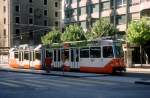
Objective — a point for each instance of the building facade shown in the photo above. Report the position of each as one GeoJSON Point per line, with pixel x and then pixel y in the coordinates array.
{"type": "Point", "coordinates": [119, 12]}
{"type": "Point", "coordinates": [25, 21]}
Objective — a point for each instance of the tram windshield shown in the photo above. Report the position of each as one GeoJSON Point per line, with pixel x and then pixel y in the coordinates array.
{"type": "Point", "coordinates": [118, 51]}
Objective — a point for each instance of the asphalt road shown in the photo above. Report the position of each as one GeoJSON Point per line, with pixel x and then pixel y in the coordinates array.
{"type": "Point", "coordinates": [24, 85]}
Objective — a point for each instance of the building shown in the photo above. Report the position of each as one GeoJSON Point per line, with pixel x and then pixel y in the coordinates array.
{"type": "Point", "coordinates": [119, 12]}
{"type": "Point", "coordinates": [25, 21]}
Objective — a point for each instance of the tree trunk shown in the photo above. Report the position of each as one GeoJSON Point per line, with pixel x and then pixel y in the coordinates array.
{"type": "Point", "coordinates": [141, 53]}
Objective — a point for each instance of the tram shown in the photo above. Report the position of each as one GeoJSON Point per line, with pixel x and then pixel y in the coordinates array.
{"type": "Point", "coordinates": [100, 56]}
{"type": "Point", "coordinates": [26, 57]}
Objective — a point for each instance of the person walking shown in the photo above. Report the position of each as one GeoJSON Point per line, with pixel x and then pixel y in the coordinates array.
{"type": "Point", "coordinates": [48, 62]}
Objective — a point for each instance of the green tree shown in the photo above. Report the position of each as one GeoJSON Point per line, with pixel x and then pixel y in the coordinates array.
{"type": "Point", "coordinates": [139, 33]}
{"type": "Point", "coordinates": [53, 36]}
{"type": "Point", "coordinates": [73, 33]}
{"type": "Point", "coordinates": [103, 27]}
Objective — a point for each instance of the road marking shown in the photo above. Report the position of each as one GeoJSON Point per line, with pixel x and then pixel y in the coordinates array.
{"type": "Point", "coordinates": [68, 82]}
{"type": "Point", "coordinates": [9, 84]}
{"type": "Point", "coordinates": [91, 81]}
{"type": "Point", "coordinates": [25, 83]}
{"type": "Point", "coordinates": [47, 83]}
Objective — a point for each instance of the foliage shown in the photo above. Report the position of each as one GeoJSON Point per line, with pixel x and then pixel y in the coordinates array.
{"type": "Point", "coordinates": [73, 33]}
{"type": "Point", "coordinates": [139, 31]}
{"type": "Point", "coordinates": [51, 37]}
{"type": "Point", "coordinates": [103, 27]}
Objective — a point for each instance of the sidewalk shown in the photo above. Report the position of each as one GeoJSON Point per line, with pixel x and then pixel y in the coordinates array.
{"type": "Point", "coordinates": [99, 77]}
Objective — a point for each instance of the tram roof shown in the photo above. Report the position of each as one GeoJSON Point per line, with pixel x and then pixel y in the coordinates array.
{"type": "Point", "coordinates": [84, 43]}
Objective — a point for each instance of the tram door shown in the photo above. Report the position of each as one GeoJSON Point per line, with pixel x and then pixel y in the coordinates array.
{"type": "Point", "coordinates": [57, 64]}
{"type": "Point", "coordinates": [74, 58]}
{"type": "Point", "coordinates": [21, 57]}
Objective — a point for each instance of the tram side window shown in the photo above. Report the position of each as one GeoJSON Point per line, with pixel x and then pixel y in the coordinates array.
{"type": "Point", "coordinates": [55, 55]}
{"type": "Point", "coordinates": [108, 52]}
{"type": "Point", "coordinates": [95, 52]}
{"type": "Point", "coordinates": [84, 53]}
{"type": "Point", "coordinates": [26, 56]}
{"type": "Point", "coordinates": [37, 55]}
{"type": "Point", "coordinates": [16, 55]}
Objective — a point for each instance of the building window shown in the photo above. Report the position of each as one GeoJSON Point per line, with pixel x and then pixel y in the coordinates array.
{"type": "Point", "coordinates": [4, 20]}
{"type": "Point", "coordinates": [56, 4]}
{"type": "Point", "coordinates": [96, 8]}
{"type": "Point", "coordinates": [120, 3]}
{"type": "Point", "coordinates": [45, 12]}
{"type": "Point", "coordinates": [30, 21]}
{"type": "Point", "coordinates": [18, 32]}
{"type": "Point", "coordinates": [83, 10]}
{"type": "Point", "coordinates": [17, 19]}
{"type": "Point", "coordinates": [56, 14]}
{"type": "Point", "coordinates": [120, 19]}
{"type": "Point", "coordinates": [17, 9]}
{"type": "Point", "coordinates": [4, 9]}
{"type": "Point", "coordinates": [45, 2]}
{"type": "Point", "coordinates": [45, 22]}
{"type": "Point", "coordinates": [30, 10]}
{"type": "Point", "coordinates": [30, 1]}
{"type": "Point", "coordinates": [4, 32]}
{"type": "Point", "coordinates": [56, 23]}
{"type": "Point", "coordinates": [106, 5]}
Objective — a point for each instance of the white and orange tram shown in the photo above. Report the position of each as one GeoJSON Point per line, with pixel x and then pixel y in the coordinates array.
{"type": "Point", "coordinates": [101, 56]}
{"type": "Point", "coordinates": [26, 57]}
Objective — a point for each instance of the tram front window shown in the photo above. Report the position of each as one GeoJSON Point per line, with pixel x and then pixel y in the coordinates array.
{"type": "Point", "coordinates": [95, 52]}
{"type": "Point", "coordinates": [108, 52]}
{"type": "Point", "coordinates": [118, 51]}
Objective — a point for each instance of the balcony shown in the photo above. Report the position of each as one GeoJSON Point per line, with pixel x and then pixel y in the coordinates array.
{"type": "Point", "coordinates": [145, 4]}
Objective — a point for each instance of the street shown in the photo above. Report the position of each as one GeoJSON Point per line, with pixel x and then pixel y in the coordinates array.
{"type": "Point", "coordinates": [24, 85]}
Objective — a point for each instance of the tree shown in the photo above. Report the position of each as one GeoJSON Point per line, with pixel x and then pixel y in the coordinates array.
{"type": "Point", "coordinates": [51, 37]}
{"type": "Point", "coordinates": [139, 33]}
{"type": "Point", "coordinates": [73, 33]}
{"type": "Point", "coordinates": [103, 27]}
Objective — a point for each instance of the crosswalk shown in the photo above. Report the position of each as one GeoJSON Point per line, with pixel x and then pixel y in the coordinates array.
{"type": "Point", "coordinates": [52, 82]}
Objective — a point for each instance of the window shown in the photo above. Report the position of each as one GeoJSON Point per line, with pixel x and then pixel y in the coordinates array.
{"type": "Point", "coordinates": [30, 21]}
{"type": "Point", "coordinates": [45, 22]}
{"type": "Point", "coordinates": [4, 20]}
{"type": "Point", "coordinates": [96, 8]}
{"type": "Point", "coordinates": [95, 52]}
{"type": "Point", "coordinates": [107, 52]}
{"type": "Point", "coordinates": [17, 19]}
{"type": "Point", "coordinates": [84, 52]}
{"type": "Point", "coordinates": [56, 4]}
{"type": "Point", "coordinates": [83, 24]}
{"type": "Point", "coordinates": [121, 19]}
{"type": "Point", "coordinates": [4, 9]}
{"type": "Point", "coordinates": [56, 14]}
{"type": "Point", "coordinates": [106, 5]}
{"type": "Point", "coordinates": [89, 9]}
{"type": "Point", "coordinates": [45, 2]}
{"type": "Point", "coordinates": [45, 12]}
{"type": "Point", "coordinates": [30, 10]}
{"type": "Point", "coordinates": [4, 31]}
{"type": "Point", "coordinates": [56, 23]}
{"type": "Point", "coordinates": [16, 55]}
{"type": "Point", "coordinates": [17, 9]}
{"type": "Point", "coordinates": [83, 10]}
{"type": "Point", "coordinates": [17, 32]}
{"type": "Point", "coordinates": [26, 55]}
{"type": "Point", "coordinates": [30, 1]}
{"type": "Point", "coordinates": [120, 3]}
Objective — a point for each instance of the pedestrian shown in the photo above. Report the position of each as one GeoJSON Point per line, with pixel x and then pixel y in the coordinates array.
{"type": "Point", "coordinates": [48, 62]}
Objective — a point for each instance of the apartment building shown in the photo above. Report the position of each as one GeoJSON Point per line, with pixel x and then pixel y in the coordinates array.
{"type": "Point", "coordinates": [119, 12]}
{"type": "Point", "coordinates": [25, 21]}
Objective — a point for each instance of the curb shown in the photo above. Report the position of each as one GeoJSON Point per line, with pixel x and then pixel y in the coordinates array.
{"type": "Point", "coordinates": [142, 82]}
